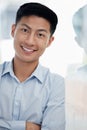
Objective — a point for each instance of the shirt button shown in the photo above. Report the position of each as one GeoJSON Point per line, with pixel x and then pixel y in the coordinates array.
{"type": "Point", "coordinates": [16, 103]}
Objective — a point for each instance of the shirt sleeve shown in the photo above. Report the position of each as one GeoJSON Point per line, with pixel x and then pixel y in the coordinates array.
{"type": "Point", "coordinates": [54, 114]}
{"type": "Point", "coordinates": [12, 125]}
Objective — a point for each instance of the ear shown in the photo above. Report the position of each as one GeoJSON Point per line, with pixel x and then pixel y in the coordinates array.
{"type": "Point", "coordinates": [50, 41]}
{"type": "Point", "coordinates": [79, 42]}
{"type": "Point", "coordinates": [13, 30]}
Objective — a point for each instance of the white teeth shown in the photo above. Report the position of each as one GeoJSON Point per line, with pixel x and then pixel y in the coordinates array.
{"type": "Point", "coordinates": [26, 49]}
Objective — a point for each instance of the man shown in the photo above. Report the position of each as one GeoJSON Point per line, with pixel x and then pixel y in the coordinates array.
{"type": "Point", "coordinates": [76, 83]}
{"type": "Point", "coordinates": [31, 97]}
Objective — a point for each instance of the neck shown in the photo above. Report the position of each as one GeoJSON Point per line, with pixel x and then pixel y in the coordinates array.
{"type": "Point", "coordinates": [23, 70]}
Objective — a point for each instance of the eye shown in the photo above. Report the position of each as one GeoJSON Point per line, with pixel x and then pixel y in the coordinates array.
{"type": "Point", "coordinates": [41, 35]}
{"type": "Point", "coordinates": [25, 30]}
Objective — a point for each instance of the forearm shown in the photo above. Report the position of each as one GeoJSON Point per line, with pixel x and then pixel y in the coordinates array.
{"type": "Point", "coordinates": [12, 125]}
{"type": "Point", "coordinates": [18, 125]}
{"type": "Point", "coordinates": [32, 126]}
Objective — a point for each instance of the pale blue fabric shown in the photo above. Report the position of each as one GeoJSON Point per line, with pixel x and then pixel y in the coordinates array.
{"type": "Point", "coordinates": [40, 99]}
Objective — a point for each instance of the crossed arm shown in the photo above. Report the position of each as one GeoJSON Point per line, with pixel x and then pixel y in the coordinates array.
{"type": "Point", "coordinates": [18, 125]}
{"type": "Point", "coordinates": [53, 116]}
{"type": "Point", "coordinates": [32, 126]}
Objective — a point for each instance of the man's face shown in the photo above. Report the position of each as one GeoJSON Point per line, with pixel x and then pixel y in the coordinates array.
{"type": "Point", "coordinates": [31, 38]}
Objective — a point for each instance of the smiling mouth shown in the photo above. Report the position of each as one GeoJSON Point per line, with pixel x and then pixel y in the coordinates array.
{"type": "Point", "coordinates": [27, 50]}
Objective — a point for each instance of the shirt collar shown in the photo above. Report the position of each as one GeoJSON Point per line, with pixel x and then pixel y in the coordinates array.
{"type": "Point", "coordinates": [40, 72]}
{"type": "Point", "coordinates": [7, 68]}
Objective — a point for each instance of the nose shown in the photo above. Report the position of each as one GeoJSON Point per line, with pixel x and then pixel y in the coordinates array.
{"type": "Point", "coordinates": [30, 39]}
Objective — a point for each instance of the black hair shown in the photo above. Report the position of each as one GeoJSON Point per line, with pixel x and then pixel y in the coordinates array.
{"type": "Point", "coordinates": [39, 10]}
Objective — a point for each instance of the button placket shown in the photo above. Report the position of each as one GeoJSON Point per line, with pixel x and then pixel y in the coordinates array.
{"type": "Point", "coordinates": [17, 102]}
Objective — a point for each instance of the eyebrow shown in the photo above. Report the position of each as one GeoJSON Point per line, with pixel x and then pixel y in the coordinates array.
{"type": "Point", "coordinates": [42, 30]}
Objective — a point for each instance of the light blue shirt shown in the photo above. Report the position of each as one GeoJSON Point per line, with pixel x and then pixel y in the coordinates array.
{"type": "Point", "coordinates": [40, 99]}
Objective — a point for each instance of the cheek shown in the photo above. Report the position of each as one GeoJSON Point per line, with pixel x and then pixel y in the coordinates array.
{"type": "Point", "coordinates": [43, 49]}
{"type": "Point", "coordinates": [17, 42]}
{"type": "Point", "coordinates": [18, 38]}
{"type": "Point", "coordinates": [43, 46]}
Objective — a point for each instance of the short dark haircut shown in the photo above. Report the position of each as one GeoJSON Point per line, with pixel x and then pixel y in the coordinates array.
{"type": "Point", "coordinates": [40, 10]}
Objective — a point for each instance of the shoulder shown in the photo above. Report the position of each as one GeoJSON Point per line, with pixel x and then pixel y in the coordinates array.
{"type": "Point", "coordinates": [56, 86]}
{"type": "Point", "coordinates": [52, 80]}
{"type": "Point", "coordinates": [3, 66]}
{"type": "Point", "coordinates": [52, 76]}
{"type": "Point", "coordinates": [56, 81]}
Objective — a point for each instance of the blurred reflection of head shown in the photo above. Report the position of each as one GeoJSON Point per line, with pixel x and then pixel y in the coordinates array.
{"type": "Point", "coordinates": [79, 22]}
